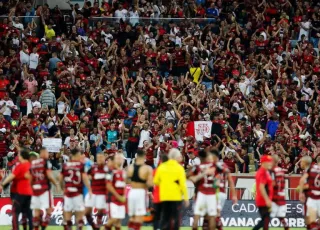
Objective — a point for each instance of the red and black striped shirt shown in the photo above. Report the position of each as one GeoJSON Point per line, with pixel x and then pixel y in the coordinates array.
{"type": "Point", "coordinates": [314, 182]}
{"type": "Point", "coordinates": [117, 179]}
{"type": "Point", "coordinates": [40, 182]}
{"type": "Point", "coordinates": [277, 175]}
{"type": "Point", "coordinates": [72, 174]}
{"type": "Point", "coordinates": [98, 174]}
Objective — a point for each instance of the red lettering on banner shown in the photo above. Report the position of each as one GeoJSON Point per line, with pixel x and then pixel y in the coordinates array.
{"type": "Point", "coordinates": [202, 129]}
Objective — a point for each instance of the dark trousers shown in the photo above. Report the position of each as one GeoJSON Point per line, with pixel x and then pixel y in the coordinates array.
{"type": "Point", "coordinates": [171, 215]}
{"type": "Point", "coordinates": [131, 148]}
{"type": "Point", "coordinates": [157, 216]}
{"type": "Point", "coordinates": [21, 204]}
{"type": "Point", "coordinates": [265, 219]}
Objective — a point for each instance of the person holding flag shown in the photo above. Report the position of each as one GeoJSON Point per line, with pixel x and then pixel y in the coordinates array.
{"type": "Point", "coordinates": [264, 192]}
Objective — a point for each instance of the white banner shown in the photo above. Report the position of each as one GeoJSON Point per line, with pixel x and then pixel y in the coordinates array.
{"type": "Point", "coordinates": [202, 128]}
{"type": "Point", "coordinates": [53, 145]}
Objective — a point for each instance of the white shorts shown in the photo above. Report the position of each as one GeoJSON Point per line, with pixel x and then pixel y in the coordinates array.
{"type": "Point", "coordinates": [205, 205]}
{"type": "Point", "coordinates": [313, 204]}
{"type": "Point", "coordinates": [73, 204]}
{"type": "Point", "coordinates": [95, 201]}
{"type": "Point", "coordinates": [44, 201]}
{"type": "Point", "coordinates": [222, 197]}
{"type": "Point", "coordinates": [117, 211]}
{"type": "Point", "coordinates": [137, 202]}
{"type": "Point", "coordinates": [278, 210]}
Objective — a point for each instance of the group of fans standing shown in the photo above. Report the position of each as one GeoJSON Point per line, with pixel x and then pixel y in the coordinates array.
{"type": "Point", "coordinates": [103, 186]}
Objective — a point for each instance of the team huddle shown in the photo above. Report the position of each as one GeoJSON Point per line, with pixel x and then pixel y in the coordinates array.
{"type": "Point", "coordinates": [103, 186]}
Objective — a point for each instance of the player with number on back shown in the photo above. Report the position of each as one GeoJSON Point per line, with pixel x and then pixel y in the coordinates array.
{"type": "Point", "coordinates": [224, 176]}
{"type": "Point", "coordinates": [42, 199]}
{"type": "Point", "coordinates": [72, 178]}
{"type": "Point", "coordinates": [278, 207]}
{"type": "Point", "coordinates": [312, 196]}
{"type": "Point", "coordinates": [206, 201]}
{"type": "Point", "coordinates": [97, 173]}
{"type": "Point", "coordinates": [116, 184]}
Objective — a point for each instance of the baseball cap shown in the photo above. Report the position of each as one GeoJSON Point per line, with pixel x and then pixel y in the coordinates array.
{"type": "Point", "coordinates": [266, 158]}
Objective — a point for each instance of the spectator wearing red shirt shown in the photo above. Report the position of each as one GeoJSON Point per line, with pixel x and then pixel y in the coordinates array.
{"type": "Point", "coordinates": [264, 187]}
{"type": "Point", "coordinates": [73, 117]}
{"type": "Point", "coordinates": [22, 199]}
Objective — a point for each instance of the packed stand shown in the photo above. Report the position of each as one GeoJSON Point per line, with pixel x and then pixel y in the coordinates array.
{"type": "Point", "coordinates": [136, 76]}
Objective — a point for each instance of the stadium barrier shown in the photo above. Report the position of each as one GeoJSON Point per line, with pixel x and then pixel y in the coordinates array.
{"type": "Point", "coordinates": [242, 214]}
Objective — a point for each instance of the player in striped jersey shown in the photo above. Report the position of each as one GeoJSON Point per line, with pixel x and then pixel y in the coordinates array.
{"type": "Point", "coordinates": [72, 178]}
{"type": "Point", "coordinates": [312, 196]}
{"type": "Point", "coordinates": [279, 207]}
{"type": "Point", "coordinates": [116, 184]}
{"type": "Point", "coordinates": [224, 176]}
{"type": "Point", "coordinates": [97, 173]}
{"type": "Point", "coordinates": [42, 199]}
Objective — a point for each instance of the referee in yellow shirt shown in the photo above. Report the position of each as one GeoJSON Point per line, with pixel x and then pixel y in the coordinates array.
{"type": "Point", "coordinates": [171, 179]}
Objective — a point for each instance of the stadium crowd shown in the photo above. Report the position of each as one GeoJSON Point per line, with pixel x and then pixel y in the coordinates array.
{"type": "Point", "coordinates": [120, 76]}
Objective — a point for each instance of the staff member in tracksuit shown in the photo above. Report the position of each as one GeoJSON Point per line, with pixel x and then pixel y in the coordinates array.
{"type": "Point", "coordinates": [20, 176]}
{"type": "Point", "coordinates": [264, 187]}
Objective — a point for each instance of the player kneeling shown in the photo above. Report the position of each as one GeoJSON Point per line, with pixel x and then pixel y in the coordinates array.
{"type": "Point", "coordinates": [97, 173]}
{"type": "Point", "coordinates": [116, 185]}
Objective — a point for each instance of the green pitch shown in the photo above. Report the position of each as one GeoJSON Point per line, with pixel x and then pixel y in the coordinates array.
{"type": "Point", "coordinates": [146, 228]}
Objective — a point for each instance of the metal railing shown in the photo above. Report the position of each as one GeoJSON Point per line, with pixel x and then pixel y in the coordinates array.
{"type": "Point", "coordinates": [133, 21]}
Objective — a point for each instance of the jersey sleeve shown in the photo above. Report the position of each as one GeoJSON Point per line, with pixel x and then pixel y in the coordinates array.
{"type": "Point", "coordinates": [48, 165]}
{"type": "Point", "coordinates": [109, 177]}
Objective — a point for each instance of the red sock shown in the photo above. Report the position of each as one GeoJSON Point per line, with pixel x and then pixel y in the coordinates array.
{"type": "Point", "coordinates": [137, 226]}
{"type": "Point", "coordinates": [284, 223]}
{"type": "Point", "coordinates": [46, 221]}
{"type": "Point", "coordinates": [36, 223]}
{"type": "Point", "coordinates": [99, 220]}
{"type": "Point", "coordinates": [107, 227]}
{"type": "Point", "coordinates": [118, 228]}
{"type": "Point", "coordinates": [67, 225]}
{"type": "Point", "coordinates": [205, 225]}
{"type": "Point", "coordinates": [313, 226]}
{"type": "Point", "coordinates": [131, 225]}
{"type": "Point", "coordinates": [80, 224]}
{"type": "Point", "coordinates": [219, 223]}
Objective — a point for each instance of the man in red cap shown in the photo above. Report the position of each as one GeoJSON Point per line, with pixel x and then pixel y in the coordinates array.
{"type": "Point", "coordinates": [264, 192]}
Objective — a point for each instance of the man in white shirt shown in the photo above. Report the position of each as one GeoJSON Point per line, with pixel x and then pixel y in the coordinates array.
{"type": "Point", "coordinates": [6, 107]}
{"type": "Point", "coordinates": [193, 159]}
{"type": "Point", "coordinates": [121, 13]}
{"type": "Point", "coordinates": [24, 55]}
{"type": "Point", "coordinates": [17, 24]}
{"type": "Point", "coordinates": [145, 135]}
{"type": "Point", "coordinates": [34, 59]}
{"type": "Point", "coordinates": [134, 16]}
{"type": "Point", "coordinates": [170, 114]}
